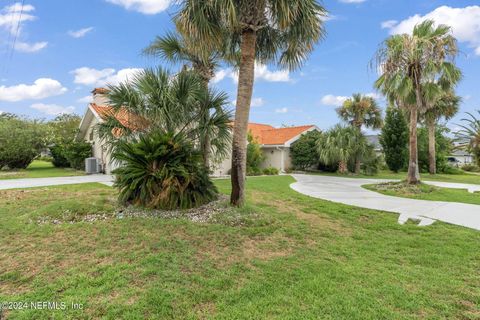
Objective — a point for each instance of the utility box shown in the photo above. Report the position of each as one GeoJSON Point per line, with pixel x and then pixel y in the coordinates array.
{"type": "Point", "coordinates": [91, 166]}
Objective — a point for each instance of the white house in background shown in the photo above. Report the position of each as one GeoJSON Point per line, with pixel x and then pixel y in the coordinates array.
{"type": "Point", "coordinates": [460, 158]}
{"type": "Point", "coordinates": [275, 142]}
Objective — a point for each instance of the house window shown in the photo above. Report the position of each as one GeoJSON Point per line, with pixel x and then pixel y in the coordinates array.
{"type": "Point", "coordinates": [91, 135]}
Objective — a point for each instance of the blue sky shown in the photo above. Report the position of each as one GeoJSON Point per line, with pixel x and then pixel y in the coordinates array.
{"type": "Point", "coordinates": [66, 48]}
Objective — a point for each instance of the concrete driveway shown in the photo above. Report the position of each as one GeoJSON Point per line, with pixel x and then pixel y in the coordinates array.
{"type": "Point", "coordinates": [54, 181]}
{"type": "Point", "coordinates": [349, 191]}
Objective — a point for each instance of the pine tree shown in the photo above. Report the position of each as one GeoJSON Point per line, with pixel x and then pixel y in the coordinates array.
{"type": "Point", "coordinates": [394, 139]}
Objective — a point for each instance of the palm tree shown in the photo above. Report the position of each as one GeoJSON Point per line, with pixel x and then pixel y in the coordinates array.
{"type": "Point", "coordinates": [340, 144]}
{"type": "Point", "coordinates": [177, 48]}
{"type": "Point", "coordinates": [361, 111]}
{"type": "Point", "coordinates": [281, 31]}
{"type": "Point", "coordinates": [469, 135]}
{"type": "Point", "coordinates": [446, 107]}
{"type": "Point", "coordinates": [157, 100]}
{"type": "Point", "coordinates": [409, 63]}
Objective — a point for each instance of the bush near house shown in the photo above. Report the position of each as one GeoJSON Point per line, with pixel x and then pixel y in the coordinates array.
{"type": "Point", "coordinates": [21, 141]}
{"type": "Point", "coordinates": [62, 132]}
{"type": "Point", "coordinates": [162, 170]}
{"type": "Point", "coordinates": [255, 157]}
{"type": "Point", "coordinates": [470, 168]}
{"type": "Point", "coordinates": [304, 152]}
{"type": "Point", "coordinates": [271, 171]}
{"type": "Point", "coordinates": [76, 153]}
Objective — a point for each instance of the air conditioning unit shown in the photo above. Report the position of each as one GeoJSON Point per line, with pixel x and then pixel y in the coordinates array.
{"type": "Point", "coordinates": [91, 166]}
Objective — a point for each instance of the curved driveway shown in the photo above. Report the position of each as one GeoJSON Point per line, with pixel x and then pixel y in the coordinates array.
{"type": "Point", "coordinates": [349, 191]}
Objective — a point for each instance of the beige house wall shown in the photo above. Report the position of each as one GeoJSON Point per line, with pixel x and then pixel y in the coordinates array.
{"type": "Point", "coordinates": [276, 157]}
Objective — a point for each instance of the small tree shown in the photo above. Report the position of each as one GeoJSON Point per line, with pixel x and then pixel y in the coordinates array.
{"type": "Point", "coordinates": [342, 145]}
{"type": "Point", "coordinates": [21, 140]}
{"type": "Point", "coordinates": [255, 156]}
{"type": "Point", "coordinates": [394, 139]}
{"type": "Point", "coordinates": [304, 152]}
{"type": "Point", "coordinates": [62, 131]}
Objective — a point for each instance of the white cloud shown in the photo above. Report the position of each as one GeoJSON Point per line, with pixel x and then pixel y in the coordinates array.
{"type": "Point", "coordinates": [52, 109]}
{"type": "Point", "coordinates": [93, 77]}
{"type": "Point", "coordinates": [389, 24]}
{"type": "Point", "coordinates": [30, 47]}
{"type": "Point", "coordinates": [281, 110]}
{"type": "Point", "coordinates": [465, 23]}
{"type": "Point", "coordinates": [352, 1]}
{"type": "Point", "coordinates": [80, 33]}
{"type": "Point", "coordinates": [12, 19]}
{"type": "Point", "coordinates": [10, 16]}
{"type": "Point", "coordinates": [334, 101]}
{"type": "Point", "coordinates": [261, 73]}
{"type": "Point", "coordinates": [143, 6]}
{"type": "Point", "coordinates": [41, 88]}
{"type": "Point", "coordinates": [86, 99]}
{"type": "Point", "coordinates": [256, 102]}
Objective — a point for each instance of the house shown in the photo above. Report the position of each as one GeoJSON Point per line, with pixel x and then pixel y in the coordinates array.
{"type": "Point", "coordinates": [460, 157]}
{"type": "Point", "coordinates": [275, 142]}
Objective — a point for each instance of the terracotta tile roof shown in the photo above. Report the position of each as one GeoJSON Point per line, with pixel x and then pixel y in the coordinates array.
{"type": "Point", "coordinates": [268, 135]}
{"type": "Point", "coordinates": [127, 119]}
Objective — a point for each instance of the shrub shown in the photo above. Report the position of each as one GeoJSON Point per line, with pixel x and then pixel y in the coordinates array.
{"type": "Point", "coordinates": [270, 171]}
{"type": "Point", "coordinates": [394, 139]}
{"type": "Point", "coordinates": [448, 169]}
{"type": "Point", "coordinates": [58, 156]}
{"type": "Point", "coordinates": [76, 153]}
{"type": "Point", "coordinates": [255, 156]}
{"type": "Point", "coordinates": [470, 168]}
{"type": "Point", "coordinates": [371, 162]}
{"type": "Point", "coordinates": [254, 171]}
{"type": "Point", "coordinates": [21, 141]}
{"type": "Point", "coordinates": [304, 152]}
{"type": "Point", "coordinates": [45, 158]}
{"type": "Point", "coordinates": [162, 171]}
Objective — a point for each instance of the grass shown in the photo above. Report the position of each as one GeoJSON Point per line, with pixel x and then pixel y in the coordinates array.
{"type": "Point", "coordinates": [40, 169]}
{"type": "Point", "coordinates": [291, 257]}
{"type": "Point", "coordinates": [424, 192]}
{"type": "Point", "coordinates": [455, 178]}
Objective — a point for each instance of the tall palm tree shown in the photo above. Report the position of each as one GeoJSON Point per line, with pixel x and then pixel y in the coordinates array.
{"type": "Point", "coordinates": [445, 107]}
{"type": "Point", "coordinates": [340, 144]}
{"type": "Point", "coordinates": [361, 111]}
{"type": "Point", "coordinates": [469, 135]}
{"type": "Point", "coordinates": [177, 48]}
{"type": "Point", "coordinates": [281, 31]}
{"type": "Point", "coordinates": [409, 63]}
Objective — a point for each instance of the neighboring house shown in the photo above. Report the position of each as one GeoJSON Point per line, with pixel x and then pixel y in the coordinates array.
{"type": "Point", "coordinates": [460, 158]}
{"type": "Point", "coordinates": [96, 112]}
{"type": "Point", "coordinates": [275, 142]}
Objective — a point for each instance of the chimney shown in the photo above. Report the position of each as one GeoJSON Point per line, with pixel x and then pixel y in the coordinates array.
{"type": "Point", "coordinates": [99, 97]}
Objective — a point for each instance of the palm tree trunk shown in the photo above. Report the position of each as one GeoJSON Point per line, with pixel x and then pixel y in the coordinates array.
{"type": "Point", "coordinates": [432, 158]}
{"type": "Point", "coordinates": [342, 167]}
{"type": "Point", "coordinates": [206, 145]}
{"type": "Point", "coordinates": [413, 176]}
{"type": "Point", "coordinates": [242, 112]}
{"type": "Point", "coordinates": [357, 158]}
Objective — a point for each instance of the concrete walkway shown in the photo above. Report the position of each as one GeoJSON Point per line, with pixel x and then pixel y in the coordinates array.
{"type": "Point", "coordinates": [54, 181]}
{"type": "Point", "coordinates": [349, 191]}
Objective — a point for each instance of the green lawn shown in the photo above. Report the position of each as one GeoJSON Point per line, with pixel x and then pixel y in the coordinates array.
{"type": "Point", "coordinates": [425, 192]}
{"type": "Point", "coordinates": [285, 256]}
{"type": "Point", "coordinates": [40, 169]}
{"type": "Point", "coordinates": [456, 178]}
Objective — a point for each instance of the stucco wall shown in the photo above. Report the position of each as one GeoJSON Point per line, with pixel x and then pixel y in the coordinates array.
{"type": "Point", "coordinates": [276, 157]}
